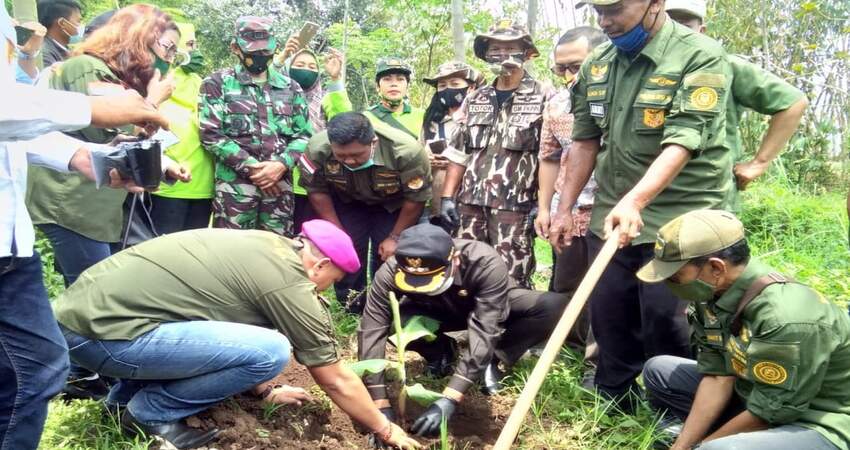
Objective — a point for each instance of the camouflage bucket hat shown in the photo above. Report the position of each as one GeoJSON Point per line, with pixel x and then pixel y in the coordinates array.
{"type": "Point", "coordinates": [392, 64]}
{"type": "Point", "coordinates": [505, 30]}
{"type": "Point", "coordinates": [455, 69]}
{"type": "Point", "coordinates": [255, 34]}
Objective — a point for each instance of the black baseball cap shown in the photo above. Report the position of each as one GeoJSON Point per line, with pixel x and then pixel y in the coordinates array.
{"type": "Point", "coordinates": [424, 256]}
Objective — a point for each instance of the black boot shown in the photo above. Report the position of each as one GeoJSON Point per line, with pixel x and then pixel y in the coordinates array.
{"type": "Point", "coordinates": [91, 387]}
{"type": "Point", "coordinates": [491, 380]}
{"type": "Point", "coordinates": [177, 433]}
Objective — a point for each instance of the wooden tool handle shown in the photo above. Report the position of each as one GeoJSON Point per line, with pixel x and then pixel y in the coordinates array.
{"type": "Point", "coordinates": [556, 341]}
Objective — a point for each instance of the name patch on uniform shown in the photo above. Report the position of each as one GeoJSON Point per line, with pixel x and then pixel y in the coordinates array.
{"type": "Point", "coordinates": [597, 110]}
{"type": "Point", "coordinates": [527, 108]}
{"type": "Point", "coordinates": [655, 97]}
{"type": "Point", "coordinates": [488, 108]}
{"type": "Point", "coordinates": [597, 93]}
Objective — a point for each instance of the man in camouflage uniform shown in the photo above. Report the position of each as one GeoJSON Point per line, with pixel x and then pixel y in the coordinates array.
{"type": "Point", "coordinates": [392, 80]}
{"type": "Point", "coordinates": [493, 153]}
{"type": "Point", "coordinates": [254, 120]}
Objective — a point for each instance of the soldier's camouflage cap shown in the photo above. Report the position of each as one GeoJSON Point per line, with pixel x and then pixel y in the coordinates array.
{"type": "Point", "coordinates": [691, 235]}
{"type": "Point", "coordinates": [455, 69]}
{"type": "Point", "coordinates": [693, 7]}
{"type": "Point", "coordinates": [504, 30]}
{"type": "Point", "coordinates": [255, 34]}
{"type": "Point", "coordinates": [392, 64]}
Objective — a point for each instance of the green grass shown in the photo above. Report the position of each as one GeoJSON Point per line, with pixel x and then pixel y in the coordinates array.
{"type": "Point", "coordinates": [801, 235]}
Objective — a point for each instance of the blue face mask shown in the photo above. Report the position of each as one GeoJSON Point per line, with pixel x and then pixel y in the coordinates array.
{"type": "Point", "coordinates": [369, 163]}
{"type": "Point", "coordinates": [634, 40]}
{"type": "Point", "coordinates": [77, 37]}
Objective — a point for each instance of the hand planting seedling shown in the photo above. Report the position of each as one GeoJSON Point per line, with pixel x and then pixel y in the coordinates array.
{"type": "Point", "coordinates": [418, 327]}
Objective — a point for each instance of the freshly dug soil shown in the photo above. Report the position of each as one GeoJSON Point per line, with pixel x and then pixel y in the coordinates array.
{"type": "Point", "coordinates": [246, 425]}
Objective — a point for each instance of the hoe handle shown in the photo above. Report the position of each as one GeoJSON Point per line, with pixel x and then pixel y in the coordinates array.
{"type": "Point", "coordinates": [553, 346]}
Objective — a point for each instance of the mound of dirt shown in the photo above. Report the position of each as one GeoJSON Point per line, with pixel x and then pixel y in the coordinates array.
{"type": "Point", "coordinates": [247, 425]}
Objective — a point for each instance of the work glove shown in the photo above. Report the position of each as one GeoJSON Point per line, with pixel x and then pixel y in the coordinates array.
{"type": "Point", "coordinates": [448, 212]}
{"type": "Point", "coordinates": [374, 442]}
{"type": "Point", "coordinates": [428, 424]}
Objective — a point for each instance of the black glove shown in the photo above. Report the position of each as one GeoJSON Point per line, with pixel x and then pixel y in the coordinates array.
{"type": "Point", "coordinates": [428, 424]}
{"type": "Point", "coordinates": [448, 212]}
{"type": "Point", "coordinates": [374, 442]}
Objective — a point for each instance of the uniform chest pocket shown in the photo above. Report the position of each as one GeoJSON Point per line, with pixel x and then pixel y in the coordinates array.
{"type": "Point", "coordinates": [282, 103]}
{"type": "Point", "coordinates": [479, 125]}
{"type": "Point", "coordinates": [386, 182]}
{"type": "Point", "coordinates": [650, 110]}
{"type": "Point", "coordinates": [238, 115]}
{"type": "Point", "coordinates": [522, 133]}
{"type": "Point", "coordinates": [335, 174]}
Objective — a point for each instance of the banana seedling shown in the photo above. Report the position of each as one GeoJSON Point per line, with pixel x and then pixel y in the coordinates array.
{"type": "Point", "coordinates": [418, 327]}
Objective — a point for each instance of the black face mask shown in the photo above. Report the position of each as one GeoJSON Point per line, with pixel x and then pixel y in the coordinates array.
{"type": "Point", "coordinates": [256, 63]}
{"type": "Point", "coordinates": [452, 97]}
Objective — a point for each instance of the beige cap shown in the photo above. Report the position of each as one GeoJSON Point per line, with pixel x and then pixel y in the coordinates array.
{"type": "Point", "coordinates": [691, 235]}
{"type": "Point", "coordinates": [694, 7]}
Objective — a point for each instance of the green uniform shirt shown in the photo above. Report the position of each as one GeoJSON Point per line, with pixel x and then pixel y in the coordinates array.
{"type": "Point", "coordinates": [408, 119]}
{"type": "Point", "coordinates": [69, 199]}
{"type": "Point", "coordinates": [761, 91]}
{"type": "Point", "coordinates": [792, 358]}
{"type": "Point", "coordinates": [242, 276]}
{"type": "Point", "coordinates": [673, 92]}
{"type": "Point", "coordinates": [182, 113]}
{"type": "Point", "coordinates": [401, 171]}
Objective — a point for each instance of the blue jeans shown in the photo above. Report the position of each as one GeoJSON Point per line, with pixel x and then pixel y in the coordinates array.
{"type": "Point", "coordinates": [182, 368]}
{"type": "Point", "coordinates": [73, 252]}
{"type": "Point", "coordinates": [33, 355]}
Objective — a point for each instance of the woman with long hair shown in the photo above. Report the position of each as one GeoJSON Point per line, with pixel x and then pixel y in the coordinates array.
{"type": "Point", "coordinates": [131, 51]}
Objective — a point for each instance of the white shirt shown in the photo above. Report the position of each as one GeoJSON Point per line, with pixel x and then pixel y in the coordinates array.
{"type": "Point", "coordinates": [30, 121]}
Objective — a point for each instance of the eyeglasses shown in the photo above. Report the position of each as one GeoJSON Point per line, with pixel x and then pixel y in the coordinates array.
{"type": "Point", "coordinates": [560, 69]}
{"type": "Point", "coordinates": [255, 35]}
{"type": "Point", "coordinates": [170, 48]}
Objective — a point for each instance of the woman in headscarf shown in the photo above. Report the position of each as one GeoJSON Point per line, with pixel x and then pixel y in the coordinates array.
{"type": "Point", "coordinates": [302, 66]}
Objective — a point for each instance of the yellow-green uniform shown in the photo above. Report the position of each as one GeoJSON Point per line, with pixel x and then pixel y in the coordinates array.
{"type": "Point", "coordinates": [408, 119]}
{"type": "Point", "coordinates": [791, 359]}
{"type": "Point", "coordinates": [367, 202]}
{"type": "Point", "coordinates": [674, 91]}
{"type": "Point", "coordinates": [759, 90]}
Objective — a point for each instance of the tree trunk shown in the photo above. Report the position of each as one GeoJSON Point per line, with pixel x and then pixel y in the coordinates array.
{"type": "Point", "coordinates": [458, 37]}
{"type": "Point", "coordinates": [532, 16]}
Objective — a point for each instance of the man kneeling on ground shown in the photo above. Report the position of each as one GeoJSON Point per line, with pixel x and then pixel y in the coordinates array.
{"type": "Point", "coordinates": [184, 322]}
{"type": "Point", "coordinates": [773, 355]}
{"type": "Point", "coordinates": [464, 285]}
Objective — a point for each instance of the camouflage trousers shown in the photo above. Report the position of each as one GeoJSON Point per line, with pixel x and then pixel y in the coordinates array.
{"type": "Point", "coordinates": [243, 206]}
{"type": "Point", "coordinates": [511, 233]}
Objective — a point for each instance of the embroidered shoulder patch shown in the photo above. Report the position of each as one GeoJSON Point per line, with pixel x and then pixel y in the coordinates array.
{"type": "Point", "coordinates": [769, 372]}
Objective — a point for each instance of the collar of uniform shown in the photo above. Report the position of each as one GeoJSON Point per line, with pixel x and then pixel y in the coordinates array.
{"type": "Point", "coordinates": [729, 300]}
{"type": "Point", "coordinates": [656, 47]}
{"type": "Point", "coordinates": [405, 108]}
{"type": "Point", "coordinates": [526, 84]}
{"type": "Point", "coordinates": [274, 78]}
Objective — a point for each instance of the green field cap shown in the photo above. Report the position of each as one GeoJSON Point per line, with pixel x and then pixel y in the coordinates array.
{"type": "Point", "coordinates": [691, 235]}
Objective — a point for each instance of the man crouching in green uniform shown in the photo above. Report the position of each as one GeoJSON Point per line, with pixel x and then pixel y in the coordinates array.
{"type": "Point", "coordinates": [773, 355]}
{"type": "Point", "coordinates": [189, 319]}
